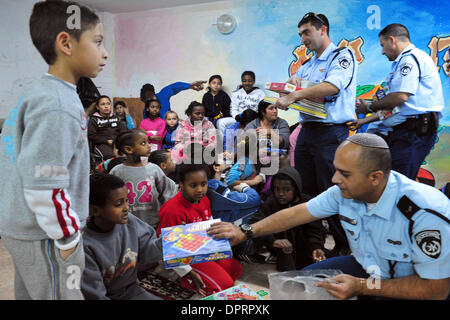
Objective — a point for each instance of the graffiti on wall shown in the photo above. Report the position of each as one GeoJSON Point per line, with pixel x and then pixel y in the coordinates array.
{"type": "Point", "coordinates": [436, 46]}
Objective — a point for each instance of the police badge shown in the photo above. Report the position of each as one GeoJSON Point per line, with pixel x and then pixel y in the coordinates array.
{"type": "Point", "coordinates": [405, 68]}
{"type": "Point", "coordinates": [344, 62]}
{"type": "Point", "coordinates": [429, 241]}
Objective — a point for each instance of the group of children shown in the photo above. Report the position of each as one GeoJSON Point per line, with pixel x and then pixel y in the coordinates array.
{"type": "Point", "coordinates": [163, 126]}
{"type": "Point", "coordinates": [59, 219]}
{"type": "Point", "coordinates": [167, 184]}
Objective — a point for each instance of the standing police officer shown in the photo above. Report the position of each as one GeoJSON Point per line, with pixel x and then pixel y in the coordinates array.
{"type": "Point", "coordinates": [398, 229]}
{"type": "Point", "coordinates": [415, 87]}
{"type": "Point", "coordinates": [334, 70]}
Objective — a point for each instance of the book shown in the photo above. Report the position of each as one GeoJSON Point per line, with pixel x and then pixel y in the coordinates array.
{"type": "Point", "coordinates": [315, 108]}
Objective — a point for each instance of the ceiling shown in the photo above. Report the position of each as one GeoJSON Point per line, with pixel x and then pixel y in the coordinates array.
{"type": "Point", "coordinates": [120, 6]}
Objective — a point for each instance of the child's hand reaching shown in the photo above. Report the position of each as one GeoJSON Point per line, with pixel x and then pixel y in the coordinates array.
{"type": "Point", "coordinates": [198, 282]}
{"type": "Point", "coordinates": [284, 244]}
{"type": "Point", "coordinates": [354, 125]}
{"type": "Point", "coordinates": [318, 255]}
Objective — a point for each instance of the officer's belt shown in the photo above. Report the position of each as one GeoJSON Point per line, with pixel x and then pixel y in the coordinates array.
{"type": "Point", "coordinates": [414, 123]}
{"type": "Point", "coordinates": [315, 125]}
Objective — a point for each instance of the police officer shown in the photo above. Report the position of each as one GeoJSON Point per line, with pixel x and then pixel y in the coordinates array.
{"type": "Point", "coordinates": [398, 229]}
{"type": "Point", "coordinates": [415, 87]}
{"type": "Point", "coordinates": [334, 70]}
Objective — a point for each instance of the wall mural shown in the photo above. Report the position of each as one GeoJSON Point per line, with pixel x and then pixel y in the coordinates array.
{"type": "Point", "coordinates": [439, 160]}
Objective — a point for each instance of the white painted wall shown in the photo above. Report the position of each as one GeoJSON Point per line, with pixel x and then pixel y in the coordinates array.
{"type": "Point", "coordinates": [21, 63]}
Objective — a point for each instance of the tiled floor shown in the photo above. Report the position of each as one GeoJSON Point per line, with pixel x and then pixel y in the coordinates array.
{"type": "Point", "coordinates": [254, 275]}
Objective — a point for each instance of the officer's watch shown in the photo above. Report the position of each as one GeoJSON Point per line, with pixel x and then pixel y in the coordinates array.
{"type": "Point", "coordinates": [248, 230]}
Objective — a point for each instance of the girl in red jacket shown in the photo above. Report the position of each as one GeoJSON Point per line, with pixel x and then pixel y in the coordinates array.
{"type": "Point", "coordinates": [191, 205]}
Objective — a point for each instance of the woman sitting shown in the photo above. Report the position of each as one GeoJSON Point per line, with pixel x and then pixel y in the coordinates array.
{"type": "Point", "coordinates": [269, 126]}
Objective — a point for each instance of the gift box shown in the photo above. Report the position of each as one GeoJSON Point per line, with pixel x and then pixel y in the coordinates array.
{"type": "Point", "coordinates": [315, 108]}
{"type": "Point", "coordinates": [190, 244]}
{"type": "Point", "coordinates": [239, 292]}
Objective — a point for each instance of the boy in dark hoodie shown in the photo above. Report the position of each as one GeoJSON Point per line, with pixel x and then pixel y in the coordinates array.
{"type": "Point", "coordinates": [297, 247]}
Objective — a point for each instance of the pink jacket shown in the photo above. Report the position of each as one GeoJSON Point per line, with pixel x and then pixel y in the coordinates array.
{"type": "Point", "coordinates": [155, 127]}
{"type": "Point", "coordinates": [292, 142]}
{"type": "Point", "coordinates": [204, 133]}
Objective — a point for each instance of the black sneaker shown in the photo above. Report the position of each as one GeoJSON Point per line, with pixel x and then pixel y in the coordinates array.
{"type": "Point", "coordinates": [254, 258]}
{"type": "Point", "coordinates": [272, 259]}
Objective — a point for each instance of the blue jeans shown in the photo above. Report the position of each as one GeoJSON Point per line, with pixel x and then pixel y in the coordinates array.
{"type": "Point", "coordinates": [408, 150]}
{"type": "Point", "coordinates": [314, 155]}
{"type": "Point", "coordinates": [347, 264]}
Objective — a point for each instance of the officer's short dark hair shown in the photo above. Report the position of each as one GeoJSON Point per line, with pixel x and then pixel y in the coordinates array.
{"type": "Point", "coordinates": [375, 159]}
{"type": "Point", "coordinates": [395, 30]}
{"type": "Point", "coordinates": [101, 184]}
{"type": "Point", "coordinates": [316, 19]}
{"type": "Point", "coordinates": [50, 17]}
{"type": "Point", "coordinates": [375, 154]}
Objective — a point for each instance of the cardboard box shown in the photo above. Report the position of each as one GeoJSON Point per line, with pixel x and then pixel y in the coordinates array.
{"type": "Point", "coordinates": [190, 244]}
{"type": "Point", "coordinates": [239, 292]}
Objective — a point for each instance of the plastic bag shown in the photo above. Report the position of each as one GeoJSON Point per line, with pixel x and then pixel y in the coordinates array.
{"type": "Point", "coordinates": [299, 285]}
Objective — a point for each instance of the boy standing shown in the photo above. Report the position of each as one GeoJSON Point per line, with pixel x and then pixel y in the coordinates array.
{"type": "Point", "coordinates": [44, 156]}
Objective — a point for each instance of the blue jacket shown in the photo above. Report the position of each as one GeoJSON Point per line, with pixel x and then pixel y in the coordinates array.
{"type": "Point", "coordinates": [231, 206]}
{"type": "Point", "coordinates": [169, 139]}
{"type": "Point", "coordinates": [166, 93]}
{"type": "Point", "coordinates": [241, 170]}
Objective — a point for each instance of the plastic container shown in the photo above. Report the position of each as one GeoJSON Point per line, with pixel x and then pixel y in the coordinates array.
{"type": "Point", "coordinates": [299, 285]}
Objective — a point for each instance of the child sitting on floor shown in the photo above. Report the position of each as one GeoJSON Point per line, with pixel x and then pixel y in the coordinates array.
{"type": "Point", "coordinates": [103, 129]}
{"type": "Point", "coordinates": [121, 111]}
{"type": "Point", "coordinates": [297, 247]}
{"type": "Point", "coordinates": [153, 125]}
{"type": "Point", "coordinates": [217, 104]}
{"type": "Point", "coordinates": [148, 186]}
{"type": "Point", "coordinates": [163, 159]}
{"type": "Point", "coordinates": [196, 129]}
{"type": "Point", "coordinates": [172, 121]}
{"type": "Point", "coordinates": [116, 243]}
{"type": "Point", "coordinates": [244, 201]}
{"type": "Point", "coordinates": [246, 168]}
{"type": "Point", "coordinates": [191, 205]}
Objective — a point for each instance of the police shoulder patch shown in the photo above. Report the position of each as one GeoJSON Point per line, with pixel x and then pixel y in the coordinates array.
{"type": "Point", "coordinates": [405, 68]}
{"type": "Point", "coordinates": [344, 62]}
{"type": "Point", "coordinates": [429, 241]}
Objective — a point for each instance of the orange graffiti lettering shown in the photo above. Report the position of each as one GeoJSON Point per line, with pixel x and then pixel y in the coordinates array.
{"type": "Point", "coordinates": [302, 56]}
{"type": "Point", "coordinates": [354, 45]}
{"type": "Point", "coordinates": [437, 45]}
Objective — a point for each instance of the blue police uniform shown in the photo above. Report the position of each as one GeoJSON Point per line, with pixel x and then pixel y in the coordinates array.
{"type": "Point", "coordinates": [319, 138]}
{"type": "Point", "coordinates": [413, 72]}
{"type": "Point", "coordinates": [338, 67]}
{"type": "Point", "coordinates": [406, 232]}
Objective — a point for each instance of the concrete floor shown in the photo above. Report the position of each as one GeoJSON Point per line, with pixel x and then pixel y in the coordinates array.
{"type": "Point", "coordinates": [254, 275]}
{"type": "Point", "coordinates": [6, 274]}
